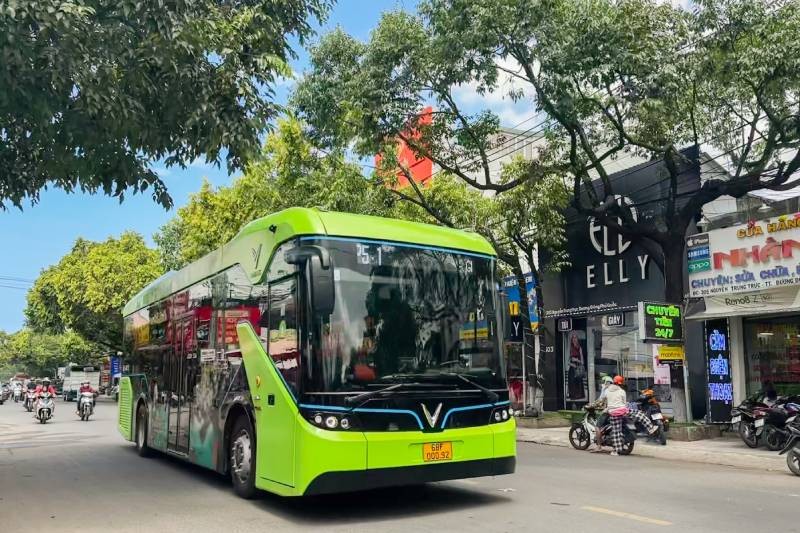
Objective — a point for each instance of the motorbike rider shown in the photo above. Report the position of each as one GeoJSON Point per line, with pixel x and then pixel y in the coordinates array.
{"type": "Point", "coordinates": [45, 387]}
{"type": "Point", "coordinates": [600, 403]}
{"type": "Point", "coordinates": [85, 387]}
{"type": "Point", "coordinates": [617, 407]}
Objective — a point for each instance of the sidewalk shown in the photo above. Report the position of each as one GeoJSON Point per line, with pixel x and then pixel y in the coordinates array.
{"type": "Point", "coordinates": [728, 451]}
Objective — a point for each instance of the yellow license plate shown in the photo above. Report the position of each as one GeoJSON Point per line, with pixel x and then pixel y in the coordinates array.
{"type": "Point", "coordinates": [437, 451]}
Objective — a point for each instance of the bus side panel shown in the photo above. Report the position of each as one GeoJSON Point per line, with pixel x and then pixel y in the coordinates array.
{"type": "Point", "coordinates": [125, 408]}
{"type": "Point", "coordinates": [158, 430]}
{"type": "Point", "coordinates": [205, 432]}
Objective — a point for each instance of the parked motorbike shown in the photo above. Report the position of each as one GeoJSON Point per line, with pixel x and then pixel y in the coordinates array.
{"type": "Point", "coordinates": [749, 419]}
{"type": "Point", "coordinates": [776, 432]}
{"type": "Point", "coordinates": [30, 398]}
{"type": "Point", "coordinates": [44, 407]}
{"type": "Point", "coordinates": [648, 404]}
{"type": "Point", "coordinates": [792, 447]}
{"type": "Point", "coordinates": [582, 433]}
{"type": "Point", "coordinates": [86, 405]}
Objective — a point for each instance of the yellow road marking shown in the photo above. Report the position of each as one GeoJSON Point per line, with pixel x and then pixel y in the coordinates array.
{"type": "Point", "coordinates": [629, 516]}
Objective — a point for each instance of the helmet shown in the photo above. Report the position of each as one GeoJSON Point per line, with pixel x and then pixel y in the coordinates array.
{"type": "Point", "coordinates": [619, 380]}
{"type": "Point", "coordinates": [606, 379]}
{"type": "Point", "coordinates": [46, 381]}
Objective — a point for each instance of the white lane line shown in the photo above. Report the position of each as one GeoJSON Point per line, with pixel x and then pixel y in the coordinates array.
{"type": "Point", "coordinates": [629, 516]}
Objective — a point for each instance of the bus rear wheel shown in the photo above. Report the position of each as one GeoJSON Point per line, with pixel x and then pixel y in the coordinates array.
{"type": "Point", "coordinates": [242, 455]}
{"type": "Point", "coordinates": [141, 432]}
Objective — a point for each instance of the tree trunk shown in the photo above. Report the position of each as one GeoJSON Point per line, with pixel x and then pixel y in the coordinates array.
{"type": "Point", "coordinates": [674, 271]}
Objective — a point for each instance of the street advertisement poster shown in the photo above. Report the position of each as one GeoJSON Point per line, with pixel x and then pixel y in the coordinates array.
{"type": "Point", "coordinates": [661, 372]}
{"type": "Point", "coordinates": [718, 367]}
{"type": "Point", "coordinates": [660, 322]}
{"type": "Point", "coordinates": [575, 364]}
{"type": "Point", "coordinates": [511, 288]}
{"type": "Point", "coordinates": [748, 258]}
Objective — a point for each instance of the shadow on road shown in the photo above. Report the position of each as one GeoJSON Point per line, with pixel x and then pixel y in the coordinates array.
{"type": "Point", "coordinates": [352, 507]}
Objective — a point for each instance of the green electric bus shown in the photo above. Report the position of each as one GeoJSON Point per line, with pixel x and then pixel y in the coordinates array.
{"type": "Point", "coordinates": [323, 352]}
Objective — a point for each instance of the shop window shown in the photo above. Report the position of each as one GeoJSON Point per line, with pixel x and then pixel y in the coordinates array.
{"type": "Point", "coordinates": [772, 355]}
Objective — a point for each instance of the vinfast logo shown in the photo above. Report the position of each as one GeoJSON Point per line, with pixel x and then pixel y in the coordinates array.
{"type": "Point", "coordinates": [432, 419]}
{"type": "Point", "coordinates": [256, 253]}
{"type": "Point", "coordinates": [741, 257]}
{"type": "Point", "coordinates": [599, 231]}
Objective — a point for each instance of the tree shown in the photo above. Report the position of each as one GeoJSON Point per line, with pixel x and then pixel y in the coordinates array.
{"type": "Point", "coordinates": [41, 353]}
{"type": "Point", "coordinates": [610, 80]}
{"type": "Point", "coordinates": [291, 173]}
{"type": "Point", "coordinates": [91, 92]}
{"type": "Point", "coordinates": [86, 290]}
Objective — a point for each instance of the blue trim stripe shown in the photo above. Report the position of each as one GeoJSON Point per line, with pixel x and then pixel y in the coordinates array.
{"type": "Point", "coordinates": [396, 243]}
{"type": "Point", "coordinates": [402, 411]}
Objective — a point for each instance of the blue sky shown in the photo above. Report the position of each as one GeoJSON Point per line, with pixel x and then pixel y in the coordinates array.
{"type": "Point", "coordinates": [39, 235]}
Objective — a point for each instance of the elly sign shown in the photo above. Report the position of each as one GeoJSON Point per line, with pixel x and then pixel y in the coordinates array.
{"type": "Point", "coordinates": [757, 256]}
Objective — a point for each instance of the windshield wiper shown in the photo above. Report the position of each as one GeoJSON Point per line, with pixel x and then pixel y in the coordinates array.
{"type": "Point", "coordinates": [490, 394]}
{"type": "Point", "coordinates": [365, 396]}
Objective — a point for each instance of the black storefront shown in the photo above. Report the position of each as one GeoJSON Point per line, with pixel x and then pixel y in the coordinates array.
{"type": "Point", "coordinates": [590, 309]}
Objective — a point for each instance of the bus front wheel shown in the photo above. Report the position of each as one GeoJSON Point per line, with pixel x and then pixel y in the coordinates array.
{"type": "Point", "coordinates": [242, 454]}
{"type": "Point", "coordinates": [141, 432]}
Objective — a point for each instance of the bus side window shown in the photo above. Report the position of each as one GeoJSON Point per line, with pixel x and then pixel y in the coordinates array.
{"type": "Point", "coordinates": [283, 330]}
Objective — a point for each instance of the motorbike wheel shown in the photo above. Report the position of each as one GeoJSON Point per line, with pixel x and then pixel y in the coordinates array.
{"type": "Point", "coordinates": [43, 420]}
{"type": "Point", "coordinates": [774, 439]}
{"type": "Point", "coordinates": [579, 437]}
{"type": "Point", "coordinates": [793, 461]}
{"type": "Point", "coordinates": [627, 448]}
{"type": "Point", "coordinates": [748, 434]}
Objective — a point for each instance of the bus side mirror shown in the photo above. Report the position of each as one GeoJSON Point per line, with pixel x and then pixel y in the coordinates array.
{"type": "Point", "coordinates": [504, 316]}
{"type": "Point", "coordinates": [319, 271]}
{"type": "Point", "coordinates": [323, 297]}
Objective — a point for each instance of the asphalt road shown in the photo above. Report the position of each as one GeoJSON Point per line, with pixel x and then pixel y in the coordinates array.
{"type": "Point", "coordinates": [70, 475]}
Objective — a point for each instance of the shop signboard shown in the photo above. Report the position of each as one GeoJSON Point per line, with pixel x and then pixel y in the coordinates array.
{"type": "Point", "coordinates": [673, 355]}
{"type": "Point", "coordinates": [564, 324]}
{"type": "Point", "coordinates": [720, 384]}
{"type": "Point", "coordinates": [660, 322]}
{"type": "Point", "coordinates": [511, 288]}
{"type": "Point", "coordinates": [760, 255]}
{"type": "Point", "coordinates": [614, 320]}
{"type": "Point", "coordinates": [116, 367]}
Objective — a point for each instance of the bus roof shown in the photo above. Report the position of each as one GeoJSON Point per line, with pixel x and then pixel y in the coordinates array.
{"type": "Point", "coordinates": [253, 245]}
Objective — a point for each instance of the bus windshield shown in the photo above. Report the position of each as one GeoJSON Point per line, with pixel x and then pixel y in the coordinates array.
{"type": "Point", "coordinates": [406, 313]}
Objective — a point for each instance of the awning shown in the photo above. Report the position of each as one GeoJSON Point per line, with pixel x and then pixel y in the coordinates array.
{"type": "Point", "coordinates": [764, 302]}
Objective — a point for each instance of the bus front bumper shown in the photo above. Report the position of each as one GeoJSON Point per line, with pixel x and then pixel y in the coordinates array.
{"type": "Point", "coordinates": [396, 459]}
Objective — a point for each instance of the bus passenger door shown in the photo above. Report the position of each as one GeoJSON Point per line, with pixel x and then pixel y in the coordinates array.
{"type": "Point", "coordinates": [272, 383]}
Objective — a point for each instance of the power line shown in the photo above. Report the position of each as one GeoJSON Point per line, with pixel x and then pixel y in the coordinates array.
{"type": "Point", "coordinates": [16, 280]}
{"type": "Point", "coordinates": [2, 286]}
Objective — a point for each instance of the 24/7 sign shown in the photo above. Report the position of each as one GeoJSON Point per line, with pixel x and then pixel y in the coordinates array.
{"type": "Point", "coordinates": [660, 322]}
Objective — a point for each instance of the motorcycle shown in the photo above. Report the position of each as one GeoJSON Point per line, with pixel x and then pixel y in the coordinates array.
{"type": "Point", "coordinates": [44, 407]}
{"type": "Point", "coordinates": [776, 432]}
{"type": "Point", "coordinates": [30, 398]}
{"type": "Point", "coordinates": [86, 405]}
{"type": "Point", "coordinates": [749, 419]}
{"type": "Point", "coordinates": [792, 447]}
{"type": "Point", "coordinates": [17, 395]}
{"type": "Point", "coordinates": [648, 404]}
{"type": "Point", "coordinates": [582, 433]}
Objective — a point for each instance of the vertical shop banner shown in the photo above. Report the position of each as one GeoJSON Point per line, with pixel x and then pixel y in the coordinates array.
{"type": "Point", "coordinates": [718, 357]}
{"type": "Point", "coordinates": [116, 367]}
{"type": "Point", "coordinates": [511, 288]}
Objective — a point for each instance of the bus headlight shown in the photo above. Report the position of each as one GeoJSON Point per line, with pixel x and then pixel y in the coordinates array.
{"type": "Point", "coordinates": [331, 422]}
{"type": "Point", "coordinates": [504, 414]}
{"type": "Point", "coordinates": [345, 423]}
{"type": "Point", "coordinates": [318, 419]}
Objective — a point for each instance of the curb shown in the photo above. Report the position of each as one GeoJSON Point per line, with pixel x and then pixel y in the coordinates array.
{"type": "Point", "coordinates": [737, 460]}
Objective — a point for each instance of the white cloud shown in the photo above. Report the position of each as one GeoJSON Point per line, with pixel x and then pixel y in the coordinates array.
{"type": "Point", "coordinates": [511, 112]}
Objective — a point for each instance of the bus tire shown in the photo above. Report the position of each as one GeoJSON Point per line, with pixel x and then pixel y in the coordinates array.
{"type": "Point", "coordinates": [242, 458]}
{"type": "Point", "coordinates": [141, 432]}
